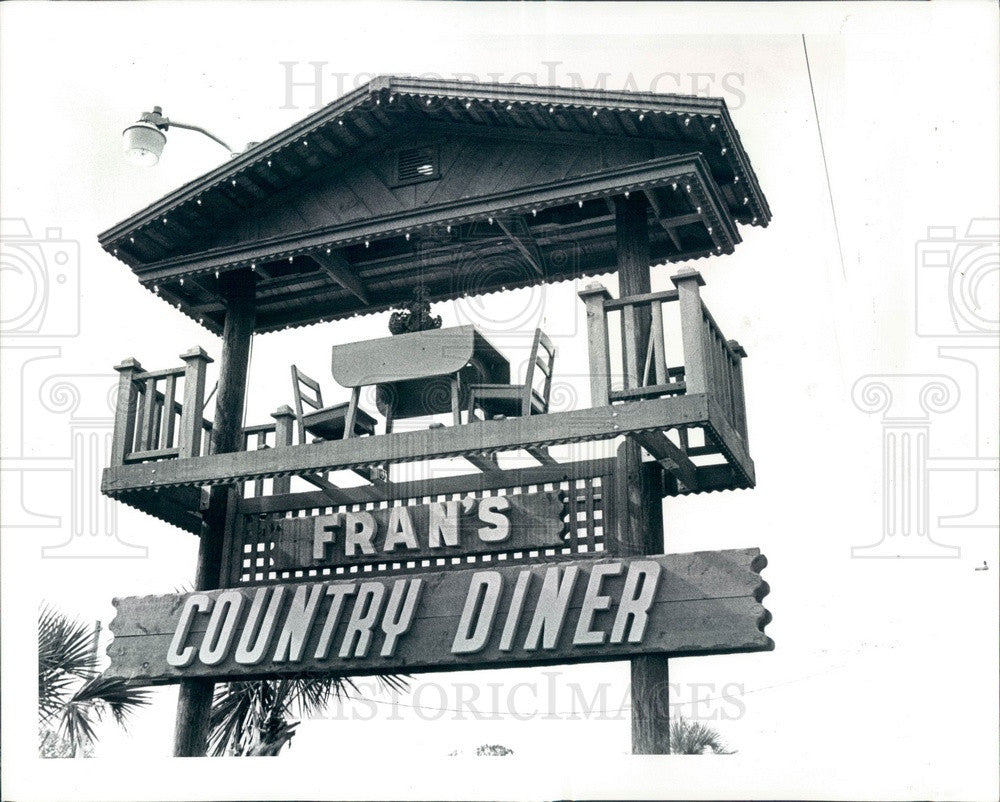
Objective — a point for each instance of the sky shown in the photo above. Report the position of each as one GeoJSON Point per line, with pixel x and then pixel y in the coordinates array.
{"type": "Point", "coordinates": [882, 683]}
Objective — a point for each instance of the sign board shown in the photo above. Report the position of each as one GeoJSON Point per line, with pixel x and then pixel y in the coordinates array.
{"type": "Point", "coordinates": [556, 612]}
{"type": "Point", "coordinates": [406, 532]}
{"type": "Point", "coordinates": [440, 523]}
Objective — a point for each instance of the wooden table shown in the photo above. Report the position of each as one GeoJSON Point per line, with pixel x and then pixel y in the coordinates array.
{"type": "Point", "coordinates": [423, 373]}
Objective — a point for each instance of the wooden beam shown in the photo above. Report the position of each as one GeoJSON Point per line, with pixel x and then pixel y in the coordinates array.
{"type": "Point", "coordinates": [541, 453]}
{"type": "Point", "coordinates": [450, 441]}
{"type": "Point", "coordinates": [469, 483]}
{"type": "Point", "coordinates": [668, 223]}
{"type": "Point", "coordinates": [526, 245]}
{"type": "Point", "coordinates": [485, 463]}
{"type": "Point", "coordinates": [671, 458]}
{"type": "Point", "coordinates": [194, 700]}
{"type": "Point", "coordinates": [691, 167]}
{"type": "Point", "coordinates": [339, 269]}
{"type": "Point", "coordinates": [699, 603]}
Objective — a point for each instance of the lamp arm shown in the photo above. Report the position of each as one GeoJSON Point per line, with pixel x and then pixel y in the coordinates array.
{"type": "Point", "coordinates": [200, 130]}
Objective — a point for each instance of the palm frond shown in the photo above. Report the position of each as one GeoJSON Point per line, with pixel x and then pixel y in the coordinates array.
{"type": "Point", "coordinates": [235, 716]}
{"type": "Point", "coordinates": [76, 726]}
{"type": "Point", "coordinates": [54, 691]}
{"type": "Point", "coordinates": [66, 654]}
{"type": "Point", "coordinates": [693, 738]}
{"type": "Point", "coordinates": [66, 645]}
{"type": "Point", "coordinates": [242, 711]}
{"type": "Point", "coordinates": [120, 699]}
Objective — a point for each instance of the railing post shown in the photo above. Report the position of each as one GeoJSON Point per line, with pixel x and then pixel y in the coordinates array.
{"type": "Point", "coordinates": [687, 282]}
{"type": "Point", "coordinates": [124, 433]}
{"type": "Point", "coordinates": [741, 407]}
{"type": "Point", "coordinates": [594, 295]}
{"type": "Point", "coordinates": [284, 423]}
{"type": "Point", "coordinates": [195, 365]}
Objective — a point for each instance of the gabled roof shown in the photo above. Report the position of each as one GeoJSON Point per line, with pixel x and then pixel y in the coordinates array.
{"type": "Point", "coordinates": [330, 236]}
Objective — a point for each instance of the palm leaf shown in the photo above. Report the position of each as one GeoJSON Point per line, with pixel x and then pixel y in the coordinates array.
{"type": "Point", "coordinates": [241, 711]}
{"type": "Point", "coordinates": [66, 654]}
{"type": "Point", "coordinates": [687, 738]}
{"type": "Point", "coordinates": [69, 686]}
{"type": "Point", "coordinates": [119, 698]}
{"type": "Point", "coordinates": [66, 645]}
{"type": "Point", "coordinates": [76, 726]}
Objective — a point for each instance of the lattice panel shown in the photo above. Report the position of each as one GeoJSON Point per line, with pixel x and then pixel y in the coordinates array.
{"type": "Point", "coordinates": [586, 504]}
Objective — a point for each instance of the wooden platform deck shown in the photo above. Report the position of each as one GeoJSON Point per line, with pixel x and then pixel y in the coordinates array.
{"type": "Point", "coordinates": [170, 489]}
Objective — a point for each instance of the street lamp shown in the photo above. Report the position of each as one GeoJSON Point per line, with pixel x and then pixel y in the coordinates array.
{"type": "Point", "coordinates": [144, 139]}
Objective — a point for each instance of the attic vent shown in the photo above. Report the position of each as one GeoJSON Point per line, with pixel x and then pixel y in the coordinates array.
{"type": "Point", "coordinates": [416, 164]}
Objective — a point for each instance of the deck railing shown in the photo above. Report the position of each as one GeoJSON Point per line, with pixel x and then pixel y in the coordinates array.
{"type": "Point", "coordinates": [642, 347]}
{"type": "Point", "coordinates": [152, 424]}
{"type": "Point", "coordinates": [647, 362]}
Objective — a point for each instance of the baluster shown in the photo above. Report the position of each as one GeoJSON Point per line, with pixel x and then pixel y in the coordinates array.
{"type": "Point", "coordinates": [658, 342]}
{"type": "Point", "coordinates": [712, 369]}
{"type": "Point", "coordinates": [148, 414]}
{"type": "Point", "coordinates": [594, 296]}
{"type": "Point", "coordinates": [258, 483]}
{"type": "Point", "coordinates": [195, 365]}
{"type": "Point", "coordinates": [692, 335]}
{"type": "Point", "coordinates": [154, 435]}
{"type": "Point", "coordinates": [630, 356]}
{"type": "Point", "coordinates": [740, 401]}
{"type": "Point", "coordinates": [169, 422]}
{"type": "Point", "coordinates": [729, 383]}
{"type": "Point", "coordinates": [123, 437]}
{"type": "Point", "coordinates": [284, 421]}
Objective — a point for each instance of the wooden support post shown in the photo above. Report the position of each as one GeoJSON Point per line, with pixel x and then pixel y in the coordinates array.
{"type": "Point", "coordinates": [124, 433]}
{"type": "Point", "coordinates": [639, 530]}
{"type": "Point", "coordinates": [738, 396]}
{"type": "Point", "coordinates": [192, 412]}
{"type": "Point", "coordinates": [632, 243]}
{"type": "Point", "coordinates": [638, 501]}
{"type": "Point", "coordinates": [194, 700]}
{"type": "Point", "coordinates": [695, 359]}
{"type": "Point", "coordinates": [284, 426]}
{"type": "Point", "coordinates": [594, 295]}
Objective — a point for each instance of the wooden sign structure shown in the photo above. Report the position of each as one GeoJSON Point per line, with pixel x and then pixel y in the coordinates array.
{"type": "Point", "coordinates": [391, 188]}
{"type": "Point", "coordinates": [562, 612]}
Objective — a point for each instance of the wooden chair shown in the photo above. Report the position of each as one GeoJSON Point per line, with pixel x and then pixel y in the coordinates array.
{"type": "Point", "coordinates": [519, 400]}
{"type": "Point", "coordinates": [327, 423]}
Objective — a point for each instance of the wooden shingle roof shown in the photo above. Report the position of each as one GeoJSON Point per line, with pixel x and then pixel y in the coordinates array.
{"type": "Point", "coordinates": [463, 187]}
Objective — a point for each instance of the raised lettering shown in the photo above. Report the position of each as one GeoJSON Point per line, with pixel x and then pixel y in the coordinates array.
{"type": "Point", "coordinates": [491, 511]}
{"type": "Point", "coordinates": [480, 608]}
{"type": "Point", "coordinates": [550, 613]}
{"type": "Point", "coordinates": [636, 601]}
{"type": "Point", "coordinates": [177, 657]}
{"type": "Point", "coordinates": [593, 601]}
{"type": "Point", "coordinates": [399, 612]}
{"type": "Point", "coordinates": [257, 632]}
{"type": "Point", "coordinates": [443, 524]}
{"type": "Point", "coordinates": [323, 533]}
{"type": "Point", "coordinates": [221, 626]}
{"type": "Point", "coordinates": [514, 611]}
{"type": "Point", "coordinates": [400, 530]}
{"type": "Point", "coordinates": [338, 594]}
{"type": "Point", "coordinates": [363, 617]}
{"type": "Point", "coordinates": [298, 623]}
{"type": "Point", "coordinates": [359, 529]}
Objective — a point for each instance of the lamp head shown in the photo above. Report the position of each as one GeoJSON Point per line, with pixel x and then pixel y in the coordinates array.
{"type": "Point", "coordinates": [144, 139]}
